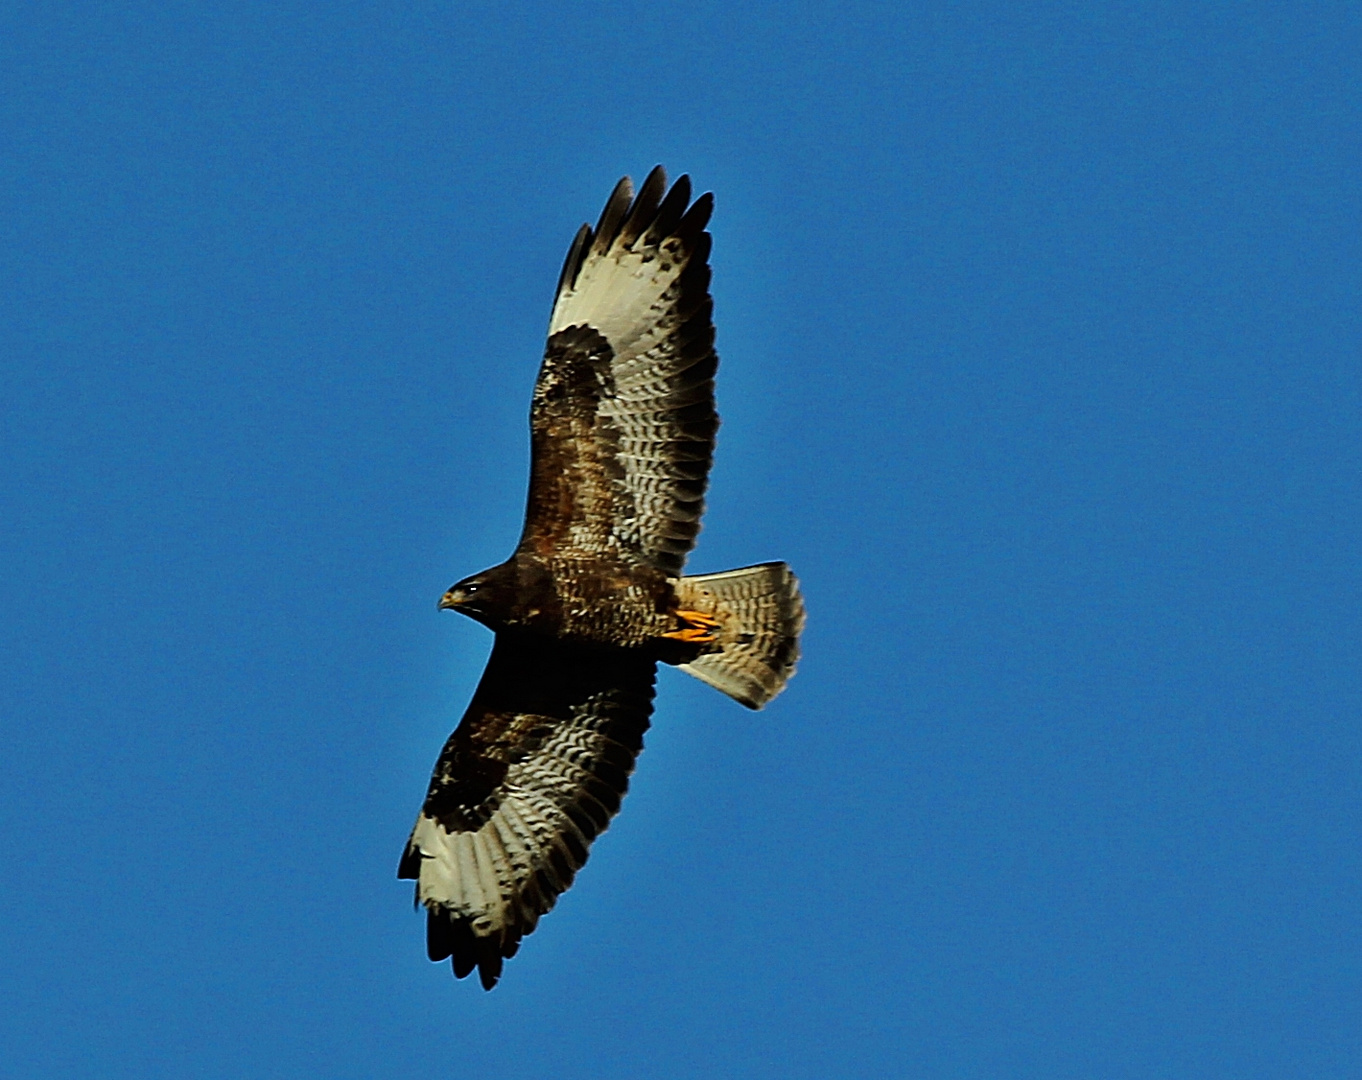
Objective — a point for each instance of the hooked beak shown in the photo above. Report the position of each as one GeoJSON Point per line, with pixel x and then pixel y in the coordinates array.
{"type": "Point", "coordinates": [449, 600]}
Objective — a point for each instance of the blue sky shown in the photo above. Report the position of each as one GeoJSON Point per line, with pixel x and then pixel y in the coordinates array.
{"type": "Point", "coordinates": [1040, 363]}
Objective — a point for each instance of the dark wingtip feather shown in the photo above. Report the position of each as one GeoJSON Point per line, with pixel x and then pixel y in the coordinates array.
{"type": "Point", "coordinates": [489, 963]}
{"type": "Point", "coordinates": [657, 177]}
{"type": "Point", "coordinates": [697, 217]}
{"type": "Point", "coordinates": [464, 956]}
{"type": "Point", "coordinates": [613, 215]}
{"type": "Point", "coordinates": [644, 210]}
{"type": "Point", "coordinates": [669, 213]}
{"type": "Point", "coordinates": [439, 939]}
{"type": "Point", "coordinates": [576, 255]}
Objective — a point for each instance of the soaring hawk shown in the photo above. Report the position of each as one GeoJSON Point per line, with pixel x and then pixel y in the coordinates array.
{"type": "Point", "coordinates": [622, 435]}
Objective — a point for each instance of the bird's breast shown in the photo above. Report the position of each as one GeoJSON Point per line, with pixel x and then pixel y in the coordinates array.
{"type": "Point", "coordinates": [599, 601]}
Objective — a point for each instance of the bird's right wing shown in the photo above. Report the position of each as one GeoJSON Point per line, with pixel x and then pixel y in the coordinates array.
{"type": "Point", "coordinates": [534, 771]}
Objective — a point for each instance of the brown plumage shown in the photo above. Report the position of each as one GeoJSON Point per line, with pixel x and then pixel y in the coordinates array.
{"type": "Point", "coordinates": [622, 436]}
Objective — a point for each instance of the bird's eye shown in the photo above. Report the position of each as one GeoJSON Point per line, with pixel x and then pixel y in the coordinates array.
{"type": "Point", "coordinates": [470, 588]}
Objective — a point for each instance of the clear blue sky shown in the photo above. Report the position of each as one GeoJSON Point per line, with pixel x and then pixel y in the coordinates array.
{"type": "Point", "coordinates": [1040, 363]}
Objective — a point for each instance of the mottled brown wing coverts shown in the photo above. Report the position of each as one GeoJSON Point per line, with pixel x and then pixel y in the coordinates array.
{"type": "Point", "coordinates": [622, 428]}
{"type": "Point", "coordinates": [623, 420]}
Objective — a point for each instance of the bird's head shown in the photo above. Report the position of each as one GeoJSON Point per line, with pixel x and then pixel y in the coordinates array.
{"type": "Point", "coordinates": [488, 597]}
{"type": "Point", "coordinates": [464, 595]}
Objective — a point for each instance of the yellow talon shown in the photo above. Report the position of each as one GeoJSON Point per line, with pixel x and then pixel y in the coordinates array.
{"type": "Point", "coordinates": [698, 618]}
{"type": "Point", "coordinates": [696, 627]}
{"type": "Point", "coordinates": [694, 634]}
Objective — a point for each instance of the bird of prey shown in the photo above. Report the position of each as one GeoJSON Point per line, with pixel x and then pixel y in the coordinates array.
{"type": "Point", "coordinates": [622, 431]}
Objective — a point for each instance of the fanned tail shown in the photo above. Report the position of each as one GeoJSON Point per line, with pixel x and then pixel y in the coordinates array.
{"type": "Point", "coordinates": [760, 615]}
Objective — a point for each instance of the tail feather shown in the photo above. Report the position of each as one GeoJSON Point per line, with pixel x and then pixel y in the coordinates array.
{"type": "Point", "coordinates": [760, 615]}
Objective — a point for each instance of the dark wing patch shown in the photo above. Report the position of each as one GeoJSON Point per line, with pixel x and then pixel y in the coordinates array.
{"type": "Point", "coordinates": [535, 770]}
{"type": "Point", "coordinates": [623, 419]}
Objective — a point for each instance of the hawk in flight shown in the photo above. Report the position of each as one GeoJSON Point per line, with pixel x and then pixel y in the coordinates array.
{"type": "Point", "coordinates": [622, 435]}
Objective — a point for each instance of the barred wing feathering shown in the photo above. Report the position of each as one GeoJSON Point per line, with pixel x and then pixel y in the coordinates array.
{"type": "Point", "coordinates": [534, 771]}
{"type": "Point", "coordinates": [623, 418]}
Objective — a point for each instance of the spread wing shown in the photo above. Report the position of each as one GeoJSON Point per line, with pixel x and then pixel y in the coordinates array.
{"type": "Point", "coordinates": [534, 771]}
{"type": "Point", "coordinates": [623, 421]}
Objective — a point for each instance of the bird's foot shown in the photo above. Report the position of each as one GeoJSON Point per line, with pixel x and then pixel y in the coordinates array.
{"type": "Point", "coordinates": [696, 627]}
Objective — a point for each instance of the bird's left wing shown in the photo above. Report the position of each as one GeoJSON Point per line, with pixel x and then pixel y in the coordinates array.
{"type": "Point", "coordinates": [622, 424]}
{"type": "Point", "coordinates": [534, 771]}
